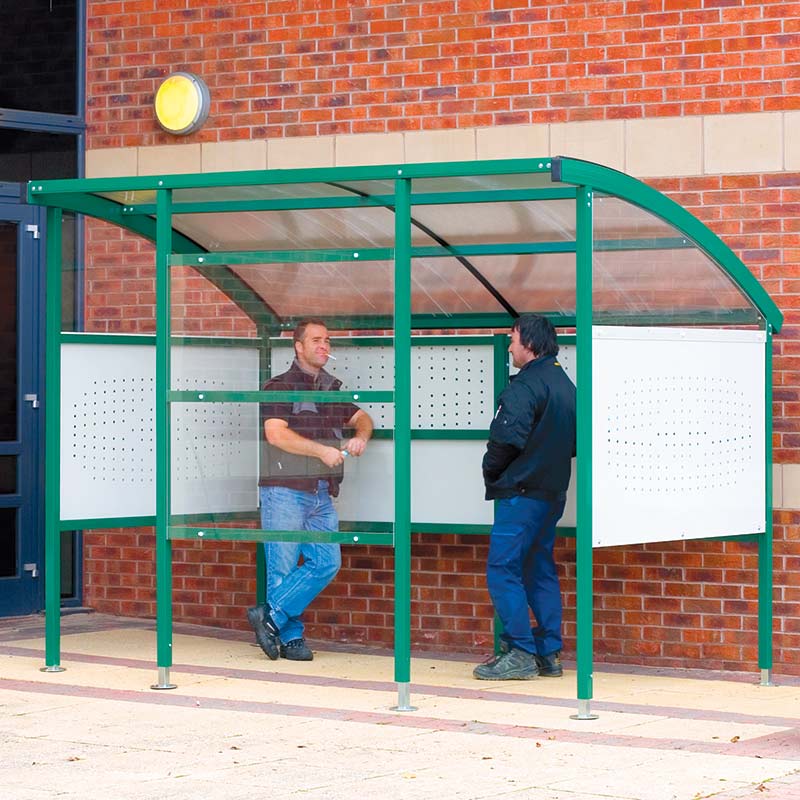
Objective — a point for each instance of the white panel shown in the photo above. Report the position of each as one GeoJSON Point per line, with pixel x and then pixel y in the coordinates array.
{"type": "Point", "coordinates": [108, 432]}
{"type": "Point", "coordinates": [367, 491]}
{"type": "Point", "coordinates": [678, 434]}
{"type": "Point", "coordinates": [451, 384]}
{"type": "Point", "coordinates": [447, 483]}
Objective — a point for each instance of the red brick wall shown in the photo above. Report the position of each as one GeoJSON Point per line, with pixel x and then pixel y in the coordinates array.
{"type": "Point", "coordinates": [328, 66]}
{"type": "Point", "coordinates": [310, 67]}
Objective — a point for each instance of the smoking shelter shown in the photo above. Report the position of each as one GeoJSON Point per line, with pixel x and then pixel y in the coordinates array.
{"type": "Point", "coordinates": [419, 270]}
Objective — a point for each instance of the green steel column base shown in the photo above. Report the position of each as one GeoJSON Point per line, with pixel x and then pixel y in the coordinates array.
{"type": "Point", "coordinates": [163, 680]}
{"type": "Point", "coordinates": [403, 698]}
{"type": "Point", "coordinates": [766, 678]}
{"type": "Point", "coordinates": [53, 668]}
{"type": "Point", "coordinates": [584, 711]}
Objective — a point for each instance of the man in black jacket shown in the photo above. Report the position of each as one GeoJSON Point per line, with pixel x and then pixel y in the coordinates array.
{"type": "Point", "coordinates": [526, 469]}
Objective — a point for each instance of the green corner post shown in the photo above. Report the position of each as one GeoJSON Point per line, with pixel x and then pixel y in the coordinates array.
{"type": "Point", "coordinates": [52, 481]}
{"type": "Point", "coordinates": [584, 561]}
{"type": "Point", "coordinates": [765, 621]}
{"type": "Point", "coordinates": [163, 480]}
{"type": "Point", "coordinates": [402, 444]}
{"type": "Point", "coordinates": [500, 369]}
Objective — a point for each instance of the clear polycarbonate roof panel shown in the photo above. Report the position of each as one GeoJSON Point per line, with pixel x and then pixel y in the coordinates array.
{"type": "Point", "coordinates": [643, 265]}
{"type": "Point", "coordinates": [313, 229]}
{"type": "Point", "coordinates": [540, 282]}
{"type": "Point", "coordinates": [499, 223]}
{"type": "Point", "coordinates": [324, 289]}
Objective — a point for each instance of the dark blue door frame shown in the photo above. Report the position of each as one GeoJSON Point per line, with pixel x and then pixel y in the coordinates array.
{"type": "Point", "coordinates": [22, 593]}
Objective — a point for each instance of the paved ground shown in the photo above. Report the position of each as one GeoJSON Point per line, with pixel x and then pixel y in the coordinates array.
{"type": "Point", "coordinates": [240, 726]}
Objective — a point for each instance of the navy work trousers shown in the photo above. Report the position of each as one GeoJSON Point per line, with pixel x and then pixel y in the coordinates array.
{"type": "Point", "coordinates": [521, 573]}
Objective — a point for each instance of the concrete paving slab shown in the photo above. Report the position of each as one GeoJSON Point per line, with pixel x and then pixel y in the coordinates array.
{"type": "Point", "coordinates": [241, 726]}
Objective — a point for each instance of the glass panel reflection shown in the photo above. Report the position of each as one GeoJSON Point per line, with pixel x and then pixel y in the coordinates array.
{"type": "Point", "coordinates": [8, 474]}
{"type": "Point", "coordinates": [8, 542]}
{"type": "Point", "coordinates": [8, 331]}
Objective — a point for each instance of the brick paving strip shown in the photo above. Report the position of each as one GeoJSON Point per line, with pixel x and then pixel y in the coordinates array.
{"type": "Point", "coordinates": [782, 745]}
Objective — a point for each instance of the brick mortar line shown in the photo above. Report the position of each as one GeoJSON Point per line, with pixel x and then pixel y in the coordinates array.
{"type": "Point", "coordinates": [709, 715]}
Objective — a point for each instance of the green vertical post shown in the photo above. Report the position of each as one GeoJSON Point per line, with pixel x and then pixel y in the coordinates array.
{"type": "Point", "coordinates": [264, 373]}
{"type": "Point", "coordinates": [584, 566]}
{"type": "Point", "coordinates": [52, 480]}
{"type": "Point", "coordinates": [500, 364]}
{"type": "Point", "coordinates": [765, 622]}
{"type": "Point", "coordinates": [402, 442]}
{"type": "Point", "coordinates": [163, 478]}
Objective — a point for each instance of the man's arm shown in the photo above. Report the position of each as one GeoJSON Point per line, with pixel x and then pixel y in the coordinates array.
{"type": "Point", "coordinates": [509, 431]}
{"type": "Point", "coordinates": [362, 422]}
{"type": "Point", "coordinates": [280, 435]}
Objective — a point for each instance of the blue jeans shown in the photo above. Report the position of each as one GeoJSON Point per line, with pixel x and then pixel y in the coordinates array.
{"type": "Point", "coordinates": [521, 573]}
{"type": "Point", "coordinates": [292, 586]}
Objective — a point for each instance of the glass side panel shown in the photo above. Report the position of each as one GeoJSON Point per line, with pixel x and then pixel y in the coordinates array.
{"type": "Point", "coordinates": [500, 223]}
{"type": "Point", "coordinates": [219, 450]}
{"type": "Point", "coordinates": [8, 331]}
{"type": "Point", "coordinates": [642, 265]}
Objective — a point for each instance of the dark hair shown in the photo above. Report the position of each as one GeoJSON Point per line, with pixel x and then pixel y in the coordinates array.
{"type": "Point", "coordinates": [300, 328]}
{"type": "Point", "coordinates": [537, 334]}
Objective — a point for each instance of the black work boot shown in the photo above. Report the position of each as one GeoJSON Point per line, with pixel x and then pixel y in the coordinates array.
{"type": "Point", "coordinates": [265, 629]}
{"type": "Point", "coordinates": [297, 650]}
{"type": "Point", "coordinates": [550, 665]}
{"type": "Point", "coordinates": [515, 665]}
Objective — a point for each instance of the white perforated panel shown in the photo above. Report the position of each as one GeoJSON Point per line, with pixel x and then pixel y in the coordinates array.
{"type": "Point", "coordinates": [451, 384]}
{"type": "Point", "coordinates": [108, 432]}
{"type": "Point", "coordinates": [678, 434]}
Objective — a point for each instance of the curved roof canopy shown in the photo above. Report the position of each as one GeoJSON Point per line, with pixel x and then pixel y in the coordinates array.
{"type": "Point", "coordinates": [489, 240]}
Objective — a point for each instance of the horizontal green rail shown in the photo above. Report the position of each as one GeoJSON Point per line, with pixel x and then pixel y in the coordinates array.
{"type": "Point", "coordinates": [218, 396]}
{"type": "Point", "coordinates": [355, 201]}
{"type": "Point", "coordinates": [38, 191]}
{"type": "Point", "coordinates": [257, 535]}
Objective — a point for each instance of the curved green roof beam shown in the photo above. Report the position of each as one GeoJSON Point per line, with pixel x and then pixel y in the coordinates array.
{"type": "Point", "coordinates": [618, 184]}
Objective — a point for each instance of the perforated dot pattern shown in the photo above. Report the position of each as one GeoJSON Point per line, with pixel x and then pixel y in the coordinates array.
{"type": "Point", "coordinates": [111, 432]}
{"type": "Point", "coordinates": [679, 434]}
{"type": "Point", "coordinates": [451, 384]}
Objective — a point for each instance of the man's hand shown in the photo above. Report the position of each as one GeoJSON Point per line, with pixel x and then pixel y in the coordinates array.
{"type": "Point", "coordinates": [355, 446]}
{"type": "Point", "coordinates": [331, 456]}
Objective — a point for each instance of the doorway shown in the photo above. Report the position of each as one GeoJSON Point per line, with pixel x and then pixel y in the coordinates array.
{"type": "Point", "coordinates": [21, 424]}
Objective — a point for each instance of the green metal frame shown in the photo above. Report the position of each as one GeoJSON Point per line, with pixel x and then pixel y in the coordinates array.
{"type": "Point", "coordinates": [398, 191]}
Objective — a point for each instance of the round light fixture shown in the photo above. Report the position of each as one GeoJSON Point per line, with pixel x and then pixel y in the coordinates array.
{"type": "Point", "coordinates": [182, 103]}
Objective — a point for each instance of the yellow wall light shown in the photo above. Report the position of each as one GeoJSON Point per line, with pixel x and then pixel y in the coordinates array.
{"type": "Point", "coordinates": [182, 103]}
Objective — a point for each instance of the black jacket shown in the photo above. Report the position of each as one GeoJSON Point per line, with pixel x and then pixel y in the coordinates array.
{"type": "Point", "coordinates": [532, 436]}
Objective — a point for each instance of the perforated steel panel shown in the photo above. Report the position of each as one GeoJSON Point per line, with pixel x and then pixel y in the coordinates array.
{"type": "Point", "coordinates": [108, 432]}
{"type": "Point", "coordinates": [678, 434]}
{"type": "Point", "coordinates": [450, 384]}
